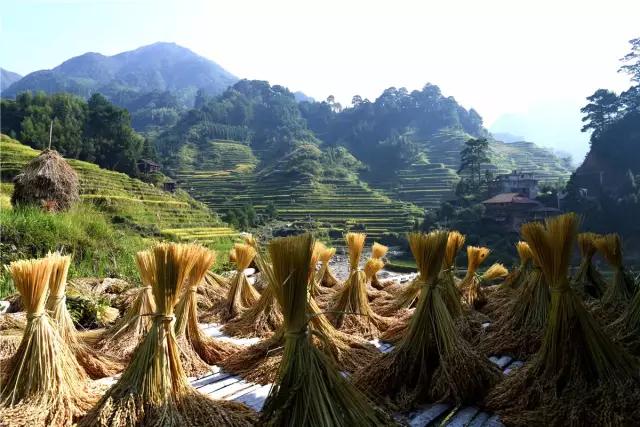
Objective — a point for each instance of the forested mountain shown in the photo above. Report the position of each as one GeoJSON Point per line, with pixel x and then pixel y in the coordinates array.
{"type": "Point", "coordinates": [606, 187]}
{"type": "Point", "coordinates": [159, 67]}
{"type": "Point", "coordinates": [7, 78]}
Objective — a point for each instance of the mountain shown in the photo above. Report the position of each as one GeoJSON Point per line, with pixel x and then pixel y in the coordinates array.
{"type": "Point", "coordinates": [158, 67]}
{"type": "Point", "coordinates": [7, 78]}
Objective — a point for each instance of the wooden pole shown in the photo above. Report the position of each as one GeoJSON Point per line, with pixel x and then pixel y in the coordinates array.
{"type": "Point", "coordinates": [50, 133]}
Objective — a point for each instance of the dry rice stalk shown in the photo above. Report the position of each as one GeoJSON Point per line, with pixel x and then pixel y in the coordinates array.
{"type": "Point", "coordinates": [96, 364]}
{"type": "Point", "coordinates": [378, 251]}
{"type": "Point", "coordinates": [350, 310]}
{"type": "Point", "coordinates": [588, 281]}
{"type": "Point", "coordinates": [197, 351]}
{"type": "Point", "coordinates": [504, 293]}
{"type": "Point", "coordinates": [450, 291]}
{"type": "Point", "coordinates": [264, 317]}
{"type": "Point", "coordinates": [325, 283]}
{"type": "Point", "coordinates": [154, 390]}
{"type": "Point", "coordinates": [472, 294]}
{"type": "Point", "coordinates": [124, 336]}
{"type": "Point", "coordinates": [371, 268]}
{"type": "Point", "coordinates": [241, 293]}
{"type": "Point", "coordinates": [309, 389]}
{"type": "Point", "coordinates": [579, 376]}
{"type": "Point", "coordinates": [518, 329]}
{"type": "Point", "coordinates": [622, 288]}
{"type": "Point", "coordinates": [431, 362]}
{"type": "Point", "coordinates": [43, 383]}
{"type": "Point", "coordinates": [328, 279]}
{"type": "Point", "coordinates": [627, 327]}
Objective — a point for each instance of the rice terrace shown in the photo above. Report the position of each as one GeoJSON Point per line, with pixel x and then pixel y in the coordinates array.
{"type": "Point", "coordinates": [186, 245]}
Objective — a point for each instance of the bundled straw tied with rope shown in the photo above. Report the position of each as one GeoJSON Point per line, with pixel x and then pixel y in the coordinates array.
{"type": "Point", "coordinates": [472, 294]}
{"type": "Point", "coordinates": [588, 281]}
{"type": "Point", "coordinates": [154, 389]}
{"type": "Point", "coordinates": [43, 383]}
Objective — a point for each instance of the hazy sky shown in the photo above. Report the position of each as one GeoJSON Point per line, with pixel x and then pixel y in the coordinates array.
{"type": "Point", "coordinates": [499, 57]}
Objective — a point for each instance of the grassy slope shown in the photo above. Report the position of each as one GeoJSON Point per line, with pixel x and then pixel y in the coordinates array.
{"type": "Point", "coordinates": [224, 176]}
{"type": "Point", "coordinates": [117, 217]}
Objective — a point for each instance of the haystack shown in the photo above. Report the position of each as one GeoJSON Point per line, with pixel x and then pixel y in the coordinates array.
{"type": "Point", "coordinates": [579, 376]}
{"type": "Point", "coordinates": [47, 181]}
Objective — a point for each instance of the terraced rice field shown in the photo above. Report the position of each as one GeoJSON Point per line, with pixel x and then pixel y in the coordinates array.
{"type": "Point", "coordinates": [432, 178]}
{"type": "Point", "coordinates": [130, 200]}
{"type": "Point", "coordinates": [337, 204]}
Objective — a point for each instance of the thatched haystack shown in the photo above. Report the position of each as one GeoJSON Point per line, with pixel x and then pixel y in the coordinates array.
{"type": "Point", "coordinates": [47, 181]}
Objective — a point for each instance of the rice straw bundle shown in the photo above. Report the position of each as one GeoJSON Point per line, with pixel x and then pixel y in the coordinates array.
{"type": "Point", "coordinates": [472, 294]}
{"type": "Point", "coordinates": [325, 282]}
{"type": "Point", "coordinates": [124, 336]}
{"type": "Point", "coordinates": [378, 251]}
{"type": "Point", "coordinates": [504, 293]}
{"type": "Point", "coordinates": [350, 310]}
{"type": "Point", "coordinates": [431, 362]}
{"type": "Point", "coordinates": [309, 389]}
{"type": "Point", "coordinates": [241, 293]}
{"type": "Point", "coordinates": [627, 327]}
{"type": "Point", "coordinates": [43, 383]}
{"type": "Point", "coordinates": [154, 389]}
{"type": "Point", "coordinates": [622, 288]}
{"type": "Point", "coordinates": [588, 281]}
{"type": "Point", "coordinates": [579, 376]}
{"type": "Point", "coordinates": [197, 351]}
{"type": "Point", "coordinates": [264, 317]}
{"type": "Point", "coordinates": [450, 291]}
{"type": "Point", "coordinates": [96, 364]}
{"type": "Point", "coordinates": [371, 268]}
{"type": "Point", "coordinates": [518, 327]}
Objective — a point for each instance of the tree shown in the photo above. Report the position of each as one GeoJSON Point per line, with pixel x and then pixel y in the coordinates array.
{"type": "Point", "coordinates": [602, 110]}
{"type": "Point", "coordinates": [472, 157]}
{"type": "Point", "coordinates": [632, 61]}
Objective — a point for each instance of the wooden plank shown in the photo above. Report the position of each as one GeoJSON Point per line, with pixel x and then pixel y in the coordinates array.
{"type": "Point", "coordinates": [428, 414]}
{"type": "Point", "coordinates": [463, 417]}
{"type": "Point", "coordinates": [514, 365]}
{"type": "Point", "coordinates": [493, 421]}
{"type": "Point", "coordinates": [239, 394]}
{"type": "Point", "coordinates": [213, 387]}
{"type": "Point", "coordinates": [479, 419]}
{"type": "Point", "coordinates": [503, 361]}
{"type": "Point", "coordinates": [201, 382]}
{"type": "Point", "coordinates": [230, 390]}
{"type": "Point", "coordinates": [255, 399]}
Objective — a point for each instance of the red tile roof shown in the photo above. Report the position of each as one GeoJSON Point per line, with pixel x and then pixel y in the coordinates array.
{"type": "Point", "coordinates": [514, 198]}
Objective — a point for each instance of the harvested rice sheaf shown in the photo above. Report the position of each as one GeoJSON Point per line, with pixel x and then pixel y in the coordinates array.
{"type": "Point", "coordinates": [95, 363]}
{"type": "Point", "coordinates": [588, 281]}
{"type": "Point", "coordinates": [309, 389]}
{"type": "Point", "coordinates": [154, 389]}
{"type": "Point", "coordinates": [43, 384]}
{"type": "Point", "coordinates": [472, 293]}
{"type": "Point", "coordinates": [378, 251]}
{"type": "Point", "coordinates": [579, 376]}
{"type": "Point", "coordinates": [450, 291]}
{"type": "Point", "coordinates": [350, 310]}
{"type": "Point", "coordinates": [263, 318]}
{"type": "Point", "coordinates": [622, 288]}
{"type": "Point", "coordinates": [123, 337]}
{"type": "Point", "coordinates": [432, 362]}
{"type": "Point", "coordinates": [503, 294]}
{"type": "Point", "coordinates": [197, 351]}
{"type": "Point", "coordinates": [242, 294]}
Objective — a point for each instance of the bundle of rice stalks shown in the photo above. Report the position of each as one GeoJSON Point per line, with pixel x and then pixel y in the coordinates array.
{"type": "Point", "coordinates": [472, 294]}
{"type": "Point", "coordinates": [309, 389]}
{"type": "Point", "coordinates": [197, 351]}
{"type": "Point", "coordinates": [241, 293]}
{"type": "Point", "coordinates": [96, 364]}
{"type": "Point", "coordinates": [627, 327]}
{"type": "Point", "coordinates": [124, 336]}
{"type": "Point", "coordinates": [504, 293]}
{"type": "Point", "coordinates": [579, 376]}
{"type": "Point", "coordinates": [378, 251]}
{"type": "Point", "coordinates": [328, 280]}
{"type": "Point", "coordinates": [259, 362]}
{"type": "Point", "coordinates": [519, 325]}
{"type": "Point", "coordinates": [588, 281]}
{"type": "Point", "coordinates": [154, 389]}
{"type": "Point", "coordinates": [450, 291]}
{"type": "Point", "coordinates": [264, 317]}
{"type": "Point", "coordinates": [371, 268]}
{"type": "Point", "coordinates": [318, 288]}
{"type": "Point", "coordinates": [43, 383]}
{"type": "Point", "coordinates": [431, 362]}
{"type": "Point", "coordinates": [622, 288]}
{"type": "Point", "coordinates": [350, 310]}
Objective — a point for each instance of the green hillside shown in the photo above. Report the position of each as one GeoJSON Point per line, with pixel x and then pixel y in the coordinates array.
{"type": "Point", "coordinates": [128, 201]}
{"type": "Point", "coordinates": [227, 178]}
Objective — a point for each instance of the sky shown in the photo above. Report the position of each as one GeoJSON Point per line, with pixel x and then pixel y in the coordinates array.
{"type": "Point", "coordinates": [525, 66]}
